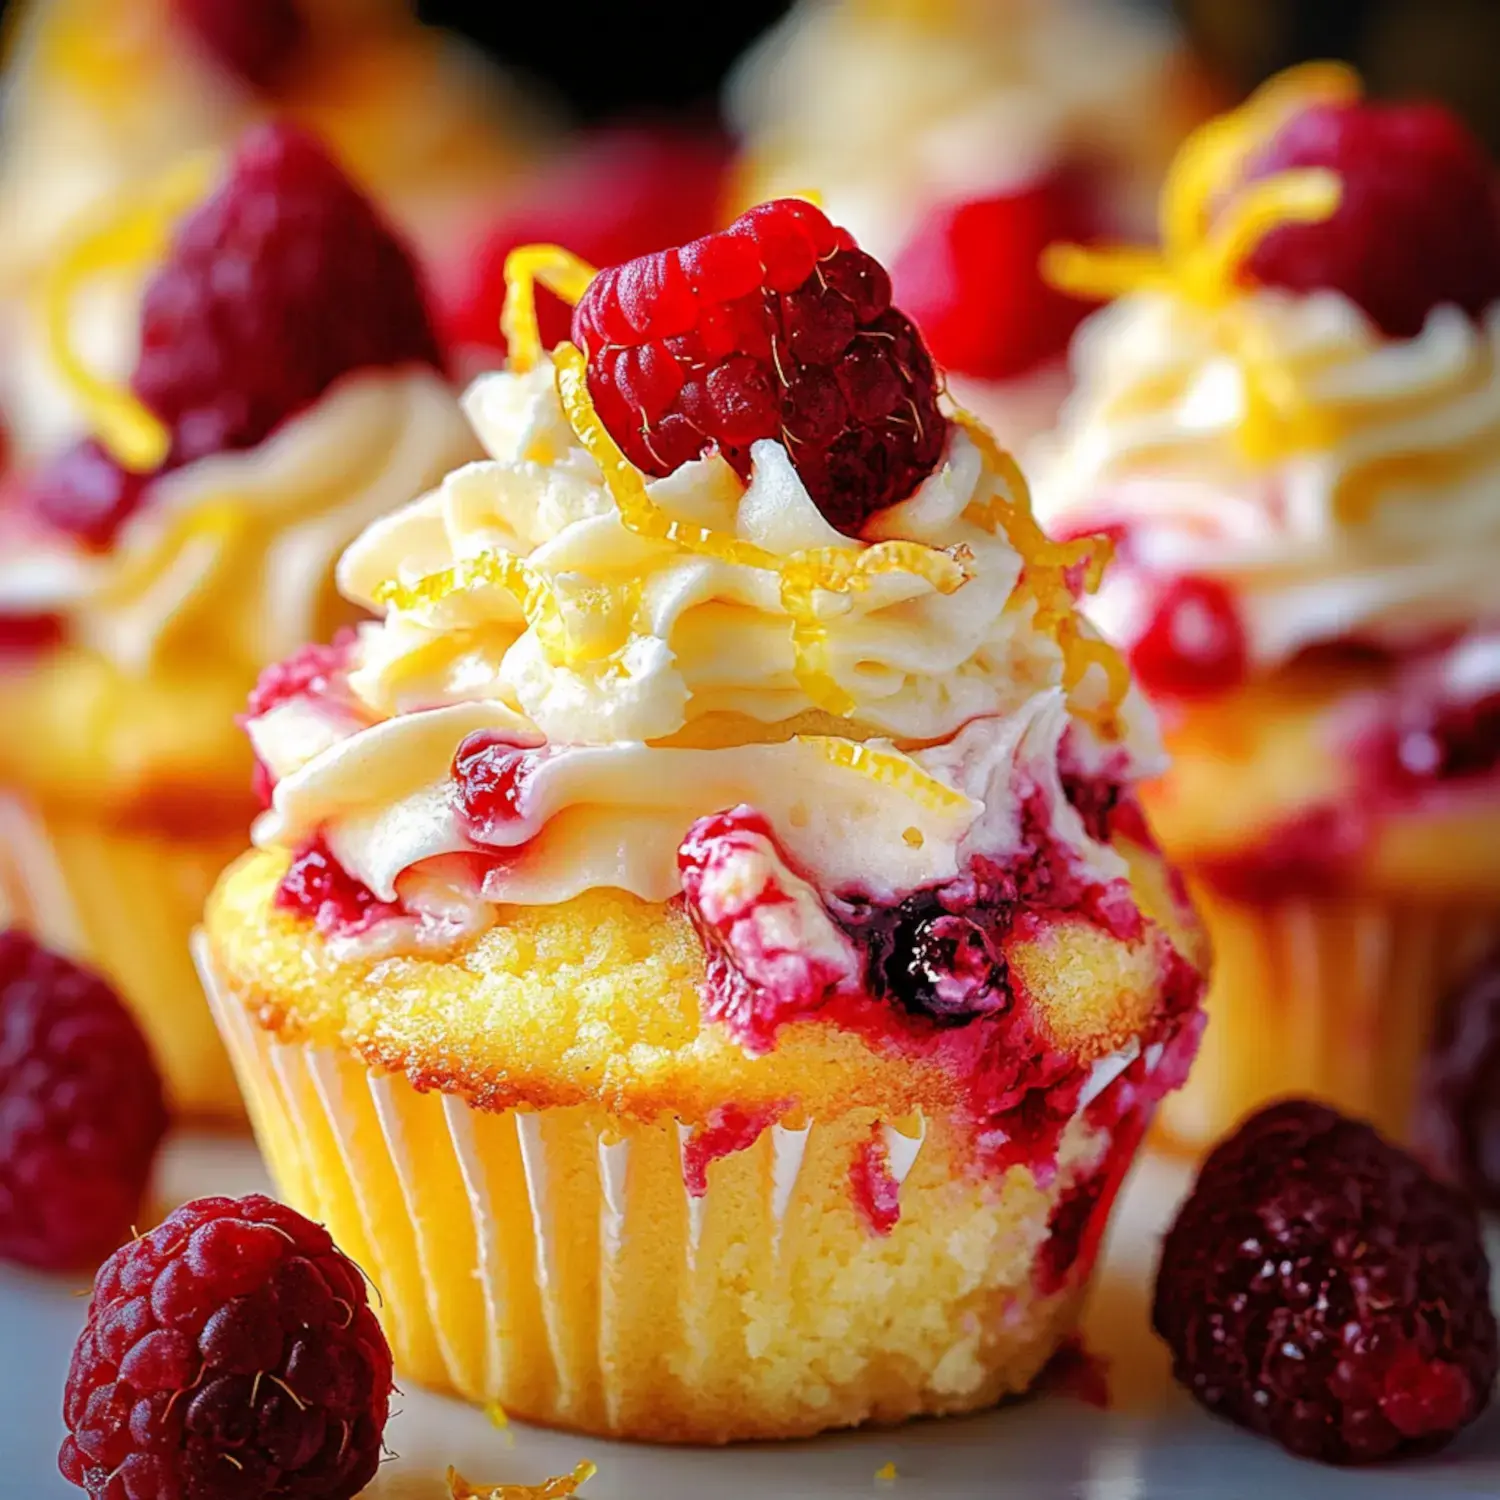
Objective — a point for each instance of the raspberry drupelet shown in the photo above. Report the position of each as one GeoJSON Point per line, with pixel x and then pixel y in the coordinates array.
{"type": "Point", "coordinates": [1320, 1288]}
{"type": "Point", "coordinates": [778, 327]}
{"type": "Point", "coordinates": [81, 1111]}
{"type": "Point", "coordinates": [232, 1352]}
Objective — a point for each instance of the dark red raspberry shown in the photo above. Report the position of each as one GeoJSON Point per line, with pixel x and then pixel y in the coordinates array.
{"type": "Point", "coordinates": [1194, 645]}
{"type": "Point", "coordinates": [970, 277]}
{"type": "Point", "coordinates": [1417, 225]}
{"type": "Point", "coordinates": [229, 1353]}
{"type": "Point", "coordinates": [777, 327]}
{"type": "Point", "coordinates": [1318, 1287]}
{"type": "Point", "coordinates": [86, 493]}
{"type": "Point", "coordinates": [284, 280]}
{"type": "Point", "coordinates": [81, 1111]}
{"type": "Point", "coordinates": [615, 194]}
{"type": "Point", "coordinates": [1457, 1121]}
{"type": "Point", "coordinates": [257, 41]}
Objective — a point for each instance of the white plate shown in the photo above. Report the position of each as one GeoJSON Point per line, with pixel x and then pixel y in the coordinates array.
{"type": "Point", "coordinates": [1151, 1443]}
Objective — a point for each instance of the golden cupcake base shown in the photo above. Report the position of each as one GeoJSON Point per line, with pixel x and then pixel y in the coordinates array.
{"type": "Point", "coordinates": [126, 902]}
{"type": "Point", "coordinates": [1332, 996]}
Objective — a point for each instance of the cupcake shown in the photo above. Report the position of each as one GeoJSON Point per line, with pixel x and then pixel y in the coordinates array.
{"type": "Point", "coordinates": [703, 955]}
{"type": "Point", "coordinates": [289, 389]}
{"type": "Point", "coordinates": [1289, 423]}
{"type": "Point", "coordinates": [957, 139]}
{"type": "Point", "coordinates": [104, 97]}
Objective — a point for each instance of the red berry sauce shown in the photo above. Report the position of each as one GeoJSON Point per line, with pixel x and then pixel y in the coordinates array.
{"type": "Point", "coordinates": [318, 887]}
{"type": "Point", "coordinates": [729, 1130]}
{"type": "Point", "coordinates": [877, 1194]}
{"type": "Point", "coordinates": [490, 776]}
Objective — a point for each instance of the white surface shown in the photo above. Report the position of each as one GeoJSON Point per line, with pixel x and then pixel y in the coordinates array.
{"type": "Point", "coordinates": [1151, 1444]}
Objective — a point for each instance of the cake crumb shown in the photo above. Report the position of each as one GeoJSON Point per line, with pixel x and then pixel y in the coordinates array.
{"type": "Point", "coordinates": [886, 1474]}
{"type": "Point", "coordinates": [500, 1420]}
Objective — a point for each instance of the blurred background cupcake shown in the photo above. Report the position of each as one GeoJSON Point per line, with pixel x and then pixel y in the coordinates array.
{"type": "Point", "coordinates": [102, 97]}
{"type": "Point", "coordinates": [1289, 422]}
{"type": "Point", "coordinates": [957, 138]}
{"type": "Point", "coordinates": [289, 388]}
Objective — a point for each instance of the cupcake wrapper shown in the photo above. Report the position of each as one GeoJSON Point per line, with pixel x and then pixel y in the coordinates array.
{"type": "Point", "coordinates": [556, 1263]}
{"type": "Point", "coordinates": [126, 903]}
{"type": "Point", "coordinates": [1333, 997]}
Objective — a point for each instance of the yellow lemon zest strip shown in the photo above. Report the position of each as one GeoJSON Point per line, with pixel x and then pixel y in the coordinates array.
{"type": "Point", "coordinates": [1044, 578]}
{"type": "Point", "coordinates": [560, 1488]}
{"type": "Point", "coordinates": [558, 270]}
{"type": "Point", "coordinates": [889, 768]}
{"type": "Point", "coordinates": [1206, 241]}
{"type": "Point", "coordinates": [133, 237]}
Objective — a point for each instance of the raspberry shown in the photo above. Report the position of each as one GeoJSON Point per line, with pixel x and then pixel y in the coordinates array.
{"type": "Point", "coordinates": [777, 327]}
{"type": "Point", "coordinates": [86, 493]}
{"type": "Point", "coordinates": [1457, 1121]}
{"type": "Point", "coordinates": [256, 41]}
{"type": "Point", "coordinates": [229, 1353]}
{"type": "Point", "coordinates": [1320, 1288]}
{"type": "Point", "coordinates": [81, 1111]}
{"type": "Point", "coordinates": [970, 277]}
{"type": "Point", "coordinates": [619, 193]}
{"type": "Point", "coordinates": [284, 280]}
{"type": "Point", "coordinates": [1194, 644]}
{"type": "Point", "coordinates": [1417, 226]}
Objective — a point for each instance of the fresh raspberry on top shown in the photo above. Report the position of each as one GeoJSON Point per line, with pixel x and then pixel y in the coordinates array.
{"type": "Point", "coordinates": [618, 193]}
{"type": "Point", "coordinates": [777, 327]}
{"type": "Point", "coordinates": [1320, 1288]}
{"type": "Point", "coordinates": [256, 41]}
{"type": "Point", "coordinates": [230, 1354]}
{"type": "Point", "coordinates": [1194, 644]}
{"type": "Point", "coordinates": [1417, 225]}
{"type": "Point", "coordinates": [970, 277]}
{"type": "Point", "coordinates": [81, 1110]}
{"type": "Point", "coordinates": [284, 280]}
{"type": "Point", "coordinates": [1457, 1120]}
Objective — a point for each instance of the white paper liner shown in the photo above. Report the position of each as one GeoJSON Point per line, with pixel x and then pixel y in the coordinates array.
{"type": "Point", "coordinates": [556, 1262]}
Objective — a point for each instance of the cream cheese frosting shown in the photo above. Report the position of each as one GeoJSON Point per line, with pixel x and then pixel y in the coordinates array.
{"type": "Point", "coordinates": [650, 684]}
{"type": "Point", "coordinates": [231, 557]}
{"type": "Point", "coordinates": [1339, 483]}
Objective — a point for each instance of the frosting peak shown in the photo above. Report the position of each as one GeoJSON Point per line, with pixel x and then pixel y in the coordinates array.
{"type": "Point", "coordinates": [660, 650]}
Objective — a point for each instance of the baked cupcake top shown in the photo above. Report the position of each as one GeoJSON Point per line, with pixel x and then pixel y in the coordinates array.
{"type": "Point", "coordinates": [738, 620]}
{"type": "Point", "coordinates": [1290, 424]}
{"type": "Point", "coordinates": [289, 388]}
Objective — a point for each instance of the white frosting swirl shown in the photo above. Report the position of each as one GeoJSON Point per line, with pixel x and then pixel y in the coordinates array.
{"type": "Point", "coordinates": [232, 557]}
{"type": "Point", "coordinates": [682, 694]}
{"type": "Point", "coordinates": [1370, 506]}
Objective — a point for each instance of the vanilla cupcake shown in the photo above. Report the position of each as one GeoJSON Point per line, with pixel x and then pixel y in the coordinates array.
{"type": "Point", "coordinates": [956, 139]}
{"type": "Point", "coordinates": [103, 98]}
{"type": "Point", "coordinates": [288, 391]}
{"type": "Point", "coordinates": [1291, 426]}
{"type": "Point", "coordinates": [703, 955]}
